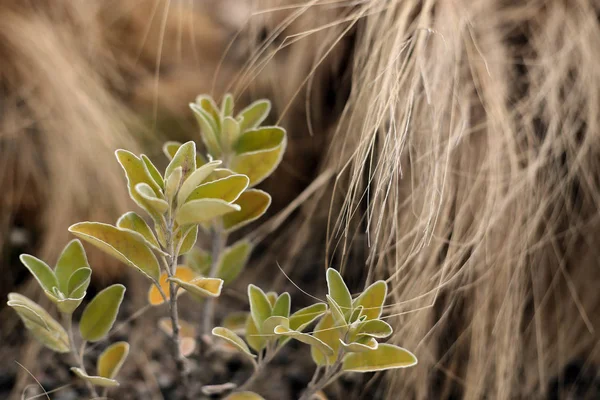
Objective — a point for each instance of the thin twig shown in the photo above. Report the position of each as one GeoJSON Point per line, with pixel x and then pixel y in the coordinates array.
{"type": "Point", "coordinates": [219, 240]}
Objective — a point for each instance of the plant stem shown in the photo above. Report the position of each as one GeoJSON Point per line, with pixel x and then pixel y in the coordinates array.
{"type": "Point", "coordinates": [78, 356]}
{"type": "Point", "coordinates": [219, 240]}
{"type": "Point", "coordinates": [330, 375]}
{"type": "Point", "coordinates": [180, 362]}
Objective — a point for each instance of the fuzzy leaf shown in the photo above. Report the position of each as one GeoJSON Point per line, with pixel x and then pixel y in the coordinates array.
{"type": "Point", "coordinates": [170, 148]}
{"type": "Point", "coordinates": [273, 322]}
{"type": "Point", "coordinates": [151, 200]}
{"type": "Point", "coordinates": [253, 204]}
{"type": "Point", "coordinates": [227, 105]}
{"type": "Point", "coordinates": [133, 222]}
{"type": "Point", "coordinates": [79, 282]}
{"type": "Point", "coordinates": [233, 260]}
{"type": "Point", "coordinates": [100, 314]}
{"type": "Point", "coordinates": [189, 239]}
{"type": "Point", "coordinates": [136, 173]}
{"type": "Point", "coordinates": [40, 271]}
{"type": "Point", "coordinates": [236, 322]}
{"type": "Point", "coordinates": [154, 174]}
{"type": "Point", "coordinates": [41, 325]}
{"type": "Point", "coordinates": [95, 380]}
{"type": "Point", "coordinates": [173, 184]}
{"type": "Point", "coordinates": [253, 115]}
{"type": "Point", "coordinates": [338, 291]}
{"type": "Point", "coordinates": [330, 335]}
{"type": "Point", "coordinates": [230, 132]}
{"type": "Point", "coordinates": [372, 300]}
{"type": "Point", "coordinates": [183, 273]}
{"type": "Point", "coordinates": [198, 260]}
{"type": "Point", "coordinates": [201, 287]}
{"type": "Point", "coordinates": [184, 158]}
{"type": "Point", "coordinates": [111, 360]}
{"type": "Point", "coordinates": [70, 260]}
{"type": "Point", "coordinates": [255, 340]}
{"type": "Point", "coordinates": [195, 179]}
{"type": "Point", "coordinates": [305, 316]}
{"type": "Point", "coordinates": [203, 210]}
{"type": "Point", "coordinates": [282, 305]}
{"type": "Point", "coordinates": [357, 347]}
{"type": "Point", "coordinates": [336, 312]}
{"type": "Point", "coordinates": [260, 307]}
{"type": "Point", "coordinates": [233, 339]}
{"type": "Point", "coordinates": [305, 338]}
{"type": "Point", "coordinates": [209, 105]}
{"type": "Point", "coordinates": [258, 153]}
{"type": "Point", "coordinates": [386, 356]}
{"type": "Point", "coordinates": [227, 189]}
{"type": "Point", "coordinates": [123, 245]}
{"type": "Point", "coordinates": [208, 130]}
{"type": "Point", "coordinates": [375, 328]}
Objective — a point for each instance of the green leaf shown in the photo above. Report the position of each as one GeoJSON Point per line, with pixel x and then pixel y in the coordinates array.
{"type": "Point", "coordinates": [233, 260]}
{"type": "Point", "coordinates": [305, 338]}
{"type": "Point", "coordinates": [209, 105]}
{"type": "Point", "coordinates": [339, 291]}
{"type": "Point", "coordinates": [154, 174]}
{"type": "Point", "coordinates": [201, 287]}
{"type": "Point", "coordinates": [236, 322]}
{"type": "Point", "coordinates": [41, 325]}
{"type": "Point", "coordinates": [70, 260]}
{"type": "Point", "coordinates": [95, 380]}
{"type": "Point", "coordinates": [253, 204]}
{"type": "Point", "coordinates": [40, 271]}
{"type": "Point", "coordinates": [208, 130]}
{"type": "Point", "coordinates": [170, 148]}
{"type": "Point", "coordinates": [356, 314]}
{"type": "Point", "coordinates": [227, 105]}
{"type": "Point", "coordinates": [233, 339]}
{"type": "Point", "coordinates": [227, 189]}
{"type": "Point", "coordinates": [253, 115]}
{"type": "Point", "coordinates": [173, 184]}
{"type": "Point", "coordinates": [243, 396]}
{"type": "Point", "coordinates": [79, 282]}
{"type": "Point", "coordinates": [189, 239]}
{"type": "Point", "coordinates": [258, 153]}
{"type": "Point", "coordinates": [372, 300]}
{"type": "Point", "coordinates": [198, 260]}
{"type": "Point", "coordinates": [100, 314]}
{"type": "Point", "coordinates": [272, 296]}
{"type": "Point", "coordinates": [260, 307]}
{"type": "Point", "coordinates": [111, 360]}
{"type": "Point", "coordinates": [184, 158]}
{"type": "Point", "coordinates": [358, 347]}
{"type": "Point", "coordinates": [305, 316]}
{"type": "Point", "coordinates": [203, 210]}
{"type": "Point", "coordinates": [254, 338]}
{"type": "Point", "coordinates": [123, 245]}
{"type": "Point", "coordinates": [282, 305]}
{"type": "Point", "coordinates": [385, 357]}
{"type": "Point", "coordinates": [273, 322]}
{"type": "Point", "coordinates": [136, 173]}
{"type": "Point", "coordinates": [375, 328]}
{"type": "Point", "coordinates": [219, 173]}
{"type": "Point", "coordinates": [230, 132]}
{"type": "Point", "coordinates": [336, 312]}
{"type": "Point", "coordinates": [330, 335]}
{"type": "Point", "coordinates": [150, 200]}
{"type": "Point", "coordinates": [195, 179]}
{"type": "Point", "coordinates": [131, 221]}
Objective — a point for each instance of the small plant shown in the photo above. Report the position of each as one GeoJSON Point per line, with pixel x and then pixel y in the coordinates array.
{"type": "Point", "coordinates": [211, 192]}
{"type": "Point", "coordinates": [66, 287]}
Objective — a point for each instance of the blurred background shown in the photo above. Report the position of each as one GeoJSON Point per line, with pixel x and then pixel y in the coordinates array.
{"type": "Point", "coordinates": [449, 147]}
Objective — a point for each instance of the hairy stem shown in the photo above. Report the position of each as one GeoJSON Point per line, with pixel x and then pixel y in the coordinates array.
{"type": "Point", "coordinates": [78, 356]}
{"type": "Point", "coordinates": [331, 373]}
{"type": "Point", "coordinates": [219, 240]}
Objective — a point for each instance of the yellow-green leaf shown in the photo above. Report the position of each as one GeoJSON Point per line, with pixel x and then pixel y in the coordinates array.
{"type": "Point", "coordinates": [136, 173]}
{"type": "Point", "coordinates": [100, 314]}
{"type": "Point", "coordinates": [338, 291]}
{"type": "Point", "coordinates": [258, 153]}
{"type": "Point", "coordinates": [253, 115]}
{"type": "Point", "coordinates": [149, 199]}
{"type": "Point", "coordinates": [358, 347]}
{"type": "Point", "coordinates": [386, 356]}
{"type": "Point", "coordinates": [111, 360]}
{"type": "Point", "coordinates": [230, 132]}
{"type": "Point", "coordinates": [260, 307]}
{"type": "Point", "coordinates": [195, 179]}
{"type": "Point", "coordinates": [375, 328]}
{"type": "Point", "coordinates": [173, 184]}
{"type": "Point", "coordinates": [208, 131]}
{"type": "Point", "coordinates": [189, 239]}
{"type": "Point", "coordinates": [79, 282]}
{"type": "Point", "coordinates": [244, 396]}
{"type": "Point", "coordinates": [236, 322]}
{"type": "Point", "coordinates": [282, 305]}
{"type": "Point", "coordinates": [253, 204]}
{"type": "Point", "coordinates": [199, 260]}
{"type": "Point", "coordinates": [170, 148]}
{"type": "Point", "coordinates": [233, 339]}
{"type": "Point", "coordinates": [133, 222]}
{"type": "Point", "coordinates": [70, 260]}
{"type": "Point", "coordinates": [203, 210]}
{"type": "Point", "coordinates": [262, 139]}
{"type": "Point", "coordinates": [227, 189]}
{"type": "Point", "coordinates": [154, 174]}
{"type": "Point", "coordinates": [254, 338]}
{"type": "Point", "coordinates": [233, 260]}
{"type": "Point", "coordinates": [41, 325]}
{"type": "Point", "coordinates": [336, 312]}
{"type": "Point", "coordinates": [209, 105]}
{"type": "Point", "coordinates": [201, 287]}
{"type": "Point", "coordinates": [95, 380]}
{"type": "Point", "coordinates": [123, 245]}
{"type": "Point", "coordinates": [227, 105]}
{"type": "Point", "coordinates": [40, 271]}
{"type": "Point", "coordinates": [372, 300]}
{"type": "Point", "coordinates": [272, 296]}
{"type": "Point", "coordinates": [219, 173]}
{"type": "Point", "coordinates": [305, 316]}
{"type": "Point", "coordinates": [185, 157]}
{"type": "Point", "coordinates": [273, 322]}
{"type": "Point", "coordinates": [327, 332]}
{"type": "Point", "coordinates": [183, 273]}
{"type": "Point", "coordinates": [305, 338]}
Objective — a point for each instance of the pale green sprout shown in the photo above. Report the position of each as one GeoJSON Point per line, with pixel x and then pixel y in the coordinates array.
{"type": "Point", "coordinates": [66, 286]}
